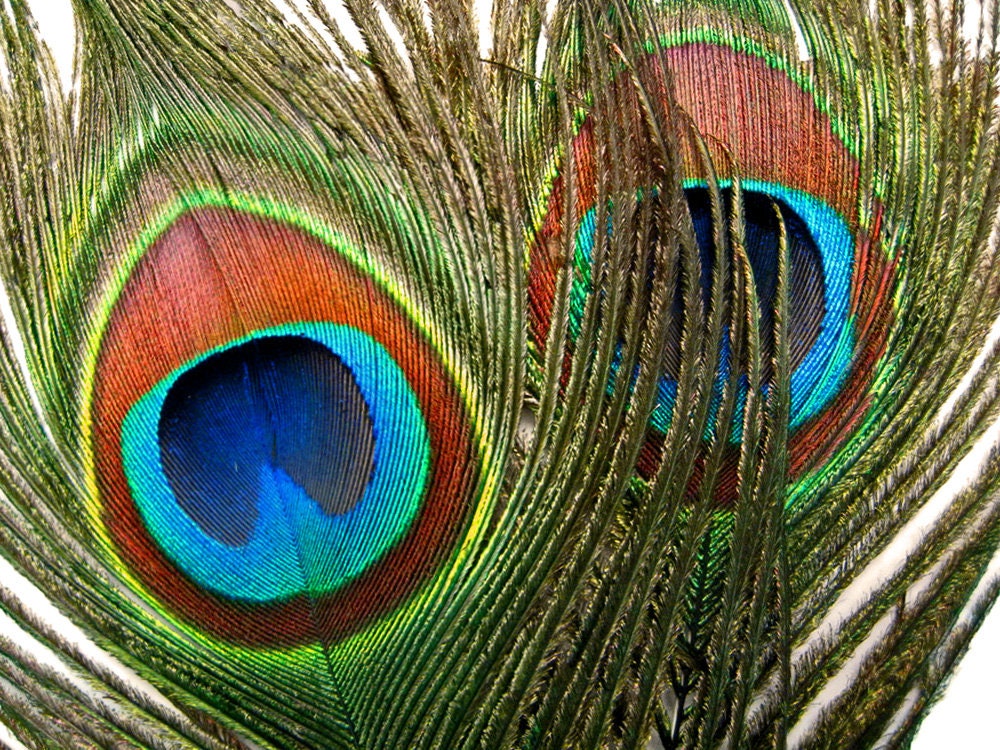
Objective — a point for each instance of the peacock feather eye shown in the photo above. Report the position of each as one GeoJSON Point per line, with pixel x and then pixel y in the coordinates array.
{"type": "Point", "coordinates": [274, 436]}
{"type": "Point", "coordinates": [759, 123]}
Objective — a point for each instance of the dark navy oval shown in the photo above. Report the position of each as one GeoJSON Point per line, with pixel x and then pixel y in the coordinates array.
{"type": "Point", "coordinates": [285, 403]}
{"type": "Point", "coordinates": [821, 249]}
{"type": "Point", "coordinates": [762, 238]}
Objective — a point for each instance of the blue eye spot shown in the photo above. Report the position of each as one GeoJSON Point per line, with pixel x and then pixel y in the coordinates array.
{"type": "Point", "coordinates": [285, 463]}
{"type": "Point", "coordinates": [287, 405]}
{"type": "Point", "coordinates": [820, 328]}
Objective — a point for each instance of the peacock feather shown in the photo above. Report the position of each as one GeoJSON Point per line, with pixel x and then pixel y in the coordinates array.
{"type": "Point", "coordinates": [552, 375]}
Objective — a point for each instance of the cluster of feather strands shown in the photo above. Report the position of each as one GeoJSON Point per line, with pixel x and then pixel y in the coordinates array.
{"type": "Point", "coordinates": [595, 608]}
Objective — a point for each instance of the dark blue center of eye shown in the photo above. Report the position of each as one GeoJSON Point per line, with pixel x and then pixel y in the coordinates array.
{"type": "Point", "coordinates": [762, 238]}
{"type": "Point", "coordinates": [286, 404]}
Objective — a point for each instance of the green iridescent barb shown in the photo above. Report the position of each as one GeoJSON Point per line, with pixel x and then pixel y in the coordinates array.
{"type": "Point", "coordinates": [594, 374]}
